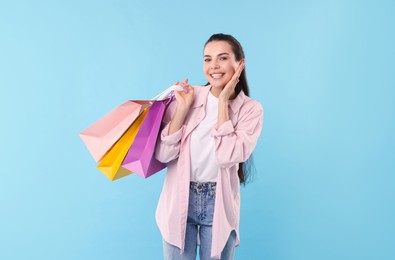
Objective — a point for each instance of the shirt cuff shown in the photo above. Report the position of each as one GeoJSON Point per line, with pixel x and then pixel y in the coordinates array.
{"type": "Point", "coordinates": [225, 129]}
{"type": "Point", "coordinates": [174, 138]}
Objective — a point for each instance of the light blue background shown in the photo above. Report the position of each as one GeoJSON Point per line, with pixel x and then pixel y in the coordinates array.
{"type": "Point", "coordinates": [323, 70]}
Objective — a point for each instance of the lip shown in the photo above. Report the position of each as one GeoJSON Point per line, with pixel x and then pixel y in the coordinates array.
{"type": "Point", "coordinates": [217, 73]}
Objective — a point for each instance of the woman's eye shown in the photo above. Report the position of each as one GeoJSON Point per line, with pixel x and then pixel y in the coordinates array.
{"type": "Point", "coordinates": [206, 60]}
{"type": "Point", "coordinates": [223, 58]}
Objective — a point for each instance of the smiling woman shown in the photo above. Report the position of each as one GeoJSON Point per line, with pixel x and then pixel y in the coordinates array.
{"type": "Point", "coordinates": [200, 200]}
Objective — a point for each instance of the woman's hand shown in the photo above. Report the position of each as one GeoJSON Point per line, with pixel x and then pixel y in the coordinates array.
{"type": "Point", "coordinates": [184, 97]}
{"type": "Point", "coordinates": [226, 94]}
{"type": "Point", "coordinates": [229, 88]}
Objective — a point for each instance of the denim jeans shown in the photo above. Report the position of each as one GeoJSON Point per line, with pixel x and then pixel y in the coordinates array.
{"type": "Point", "coordinates": [199, 226]}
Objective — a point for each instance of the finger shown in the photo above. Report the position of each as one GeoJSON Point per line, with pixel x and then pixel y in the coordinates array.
{"type": "Point", "coordinates": [241, 64]}
{"type": "Point", "coordinates": [177, 94]}
{"type": "Point", "coordinates": [241, 67]}
{"type": "Point", "coordinates": [236, 76]}
{"type": "Point", "coordinates": [185, 83]}
{"type": "Point", "coordinates": [176, 83]}
{"type": "Point", "coordinates": [239, 70]}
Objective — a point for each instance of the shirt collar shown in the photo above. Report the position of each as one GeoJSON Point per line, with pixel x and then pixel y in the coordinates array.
{"type": "Point", "coordinates": [234, 104]}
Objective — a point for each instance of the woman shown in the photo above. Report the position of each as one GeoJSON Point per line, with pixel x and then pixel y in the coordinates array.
{"type": "Point", "coordinates": [208, 133]}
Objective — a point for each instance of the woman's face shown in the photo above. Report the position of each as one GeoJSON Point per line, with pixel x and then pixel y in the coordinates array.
{"type": "Point", "coordinates": [219, 63]}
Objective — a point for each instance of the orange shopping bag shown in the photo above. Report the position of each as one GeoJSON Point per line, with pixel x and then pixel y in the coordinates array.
{"type": "Point", "coordinates": [111, 162]}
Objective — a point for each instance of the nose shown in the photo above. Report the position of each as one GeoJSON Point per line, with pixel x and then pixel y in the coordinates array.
{"type": "Point", "coordinates": [214, 65]}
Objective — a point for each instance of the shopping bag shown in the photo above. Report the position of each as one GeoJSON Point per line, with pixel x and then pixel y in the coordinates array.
{"type": "Point", "coordinates": [167, 93]}
{"type": "Point", "coordinates": [111, 162]}
{"type": "Point", "coordinates": [140, 158]}
{"type": "Point", "coordinates": [102, 135]}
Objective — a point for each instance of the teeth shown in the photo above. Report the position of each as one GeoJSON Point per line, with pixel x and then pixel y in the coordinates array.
{"type": "Point", "coordinates": [216, 76]}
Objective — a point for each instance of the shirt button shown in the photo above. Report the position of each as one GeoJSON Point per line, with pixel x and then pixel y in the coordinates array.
{"type": "Point", "coordinates": [200, 186]}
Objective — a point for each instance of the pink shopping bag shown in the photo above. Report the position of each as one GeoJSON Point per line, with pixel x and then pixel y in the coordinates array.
{"type": "Point", "coordinates": [140, 158]}
{"type": "Point", "coordinates": [104, 133]}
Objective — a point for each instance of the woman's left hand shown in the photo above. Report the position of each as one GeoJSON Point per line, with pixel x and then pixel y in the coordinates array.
{"type": "Point", "coordinates": [229, 88]}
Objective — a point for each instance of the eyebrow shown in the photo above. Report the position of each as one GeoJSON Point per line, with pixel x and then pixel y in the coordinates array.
{"type": "Point", "coordinates": [221, 54]}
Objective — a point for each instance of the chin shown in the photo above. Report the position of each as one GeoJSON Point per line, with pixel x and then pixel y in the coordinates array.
{"type": "Point", "coordinates": [216, 85]}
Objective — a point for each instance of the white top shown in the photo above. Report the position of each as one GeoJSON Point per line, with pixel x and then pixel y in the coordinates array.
{"type": "Point", "coordinates": [204, 165]}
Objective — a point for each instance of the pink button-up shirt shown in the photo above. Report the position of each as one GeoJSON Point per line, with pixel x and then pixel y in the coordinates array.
{"type": "Point", "coordinates": [234, 142]}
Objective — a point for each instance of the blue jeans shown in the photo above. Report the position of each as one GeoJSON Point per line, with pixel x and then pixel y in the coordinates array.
{"type": "Point", "coordinates": [199, 226]}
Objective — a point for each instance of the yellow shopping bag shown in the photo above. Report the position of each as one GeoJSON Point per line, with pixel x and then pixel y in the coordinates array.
{"type": "Point", "coordinates": [111, 162]}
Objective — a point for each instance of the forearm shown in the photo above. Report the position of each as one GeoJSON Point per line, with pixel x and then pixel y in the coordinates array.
{"type": "Point", "coordinates": [223, 112]}
{"type": "Point", "coordinates": [235, 143]}
{"type": "Point", "coordinates": [177, 120]}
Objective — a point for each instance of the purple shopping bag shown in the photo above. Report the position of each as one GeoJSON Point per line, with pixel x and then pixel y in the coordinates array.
{"type": "Point", "coordinates": [140, 158]}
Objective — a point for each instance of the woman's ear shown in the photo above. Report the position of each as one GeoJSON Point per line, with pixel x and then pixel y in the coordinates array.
{"type": "Point", "coordinates": [240, 61]}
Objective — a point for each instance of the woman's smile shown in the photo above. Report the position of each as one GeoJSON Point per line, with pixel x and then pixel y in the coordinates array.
{"type": "Point", "coordinates": [217, 75]}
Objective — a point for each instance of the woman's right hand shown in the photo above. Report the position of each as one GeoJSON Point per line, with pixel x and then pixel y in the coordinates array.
{"type": "Point", "coordinates": [184, 97]}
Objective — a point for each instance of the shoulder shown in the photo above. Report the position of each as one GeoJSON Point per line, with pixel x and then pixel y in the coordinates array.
{"type": "Point", "coordinates": [250, 102]}
{"type": "Point", "coordinates": [200, 89]}
{"type": "Point", "coordinates": [250, 105]}
{"type": "Point", "coordinates": [200, 95]}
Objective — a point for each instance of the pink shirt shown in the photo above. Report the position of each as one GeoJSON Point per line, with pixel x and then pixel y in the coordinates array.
{"type": "Point", "coordinates": [234, 142]}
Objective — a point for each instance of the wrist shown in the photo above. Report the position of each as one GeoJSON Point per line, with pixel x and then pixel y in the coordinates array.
{"type": "Point", "coordinates": [181, 111]}
{"type": "Point", "coordinates": [225, 95]}
{"type": "Point", "coordinates": [223, 98]}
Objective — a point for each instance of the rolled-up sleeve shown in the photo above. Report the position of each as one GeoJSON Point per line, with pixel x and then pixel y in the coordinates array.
{"type": "Point", "coordinates": [168, 146]}
{"type": "Point", "coordinates": [234, 144]}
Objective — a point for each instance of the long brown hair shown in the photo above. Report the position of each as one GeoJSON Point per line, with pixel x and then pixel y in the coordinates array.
{"type": "Point", "coordinates": [244, 168]}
